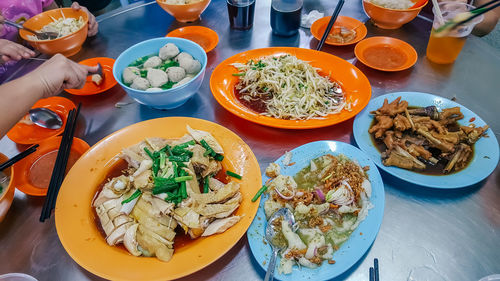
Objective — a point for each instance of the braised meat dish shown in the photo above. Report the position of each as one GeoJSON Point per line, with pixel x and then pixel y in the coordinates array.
{"type": "Point", "coordinates": [422, 138]}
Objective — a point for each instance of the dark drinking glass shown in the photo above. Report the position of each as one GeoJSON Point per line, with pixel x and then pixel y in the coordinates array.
{"type": "Point", "coordinates": [241, 13]}
{"type": "Point", "coordinates": [285, 16]}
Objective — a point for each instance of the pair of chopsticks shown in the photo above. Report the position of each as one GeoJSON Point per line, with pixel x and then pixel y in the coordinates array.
{"type": "Point", "coordinates": [333, 18]}
{"type": "Point", "coordinates": [60, 166]}
{"type": "Point", "coordinates": [472, 15]}
{"type": "Point", "coordinates": [18, 157]}
{"type": "Point", "coordinates": [374, 275]}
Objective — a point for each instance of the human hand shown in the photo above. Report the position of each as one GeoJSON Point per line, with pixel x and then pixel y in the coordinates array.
{"type": "Point", "coordinates": [60, 73]}
{"type": "Point", "coordinates": [93, 25]}
{"type": "Point", "coordinates": [13, 51]}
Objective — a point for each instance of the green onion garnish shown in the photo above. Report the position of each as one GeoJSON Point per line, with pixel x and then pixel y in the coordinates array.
{"type": "Point", "coordinates": [259, 193]}
{"type": "Point", "coordinates": [136, 194]}
{"type": "Point", "coordinates": [232, 174]}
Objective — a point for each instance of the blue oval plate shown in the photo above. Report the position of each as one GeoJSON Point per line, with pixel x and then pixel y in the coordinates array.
{"type": "Point", "coordinates": [361, 239]}
{"type": "Point", "coordinates": [486, 152]}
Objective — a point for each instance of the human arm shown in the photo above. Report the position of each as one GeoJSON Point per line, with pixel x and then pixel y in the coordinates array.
{"type": "Point", "coordinates": [18, 96]}
{"type": "Point", "coordinates": [489, 22]}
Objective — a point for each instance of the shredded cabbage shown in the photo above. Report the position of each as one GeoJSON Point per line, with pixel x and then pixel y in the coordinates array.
{"type": "Point", "coordinates": [290, 88]}
{"type": "Point", "coordinates": [63, 26]}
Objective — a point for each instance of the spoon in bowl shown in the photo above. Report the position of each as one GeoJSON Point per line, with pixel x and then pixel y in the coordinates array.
{"type": "Point", "coordinates": [273, 229]}
{"type": "Point", "coordinates": [45, 118]}
{"type": "Point", "coordinates": [39, 35]}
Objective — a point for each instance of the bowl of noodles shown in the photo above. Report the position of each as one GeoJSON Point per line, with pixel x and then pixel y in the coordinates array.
{"type": "Point", "coordinates": [184, 10]}
{"type": "Point", "coordinates": [71, 26]}
{"type": "Point", "coordinates": [6, 189]}
{"type": "Point", "coordinates": [392, 14]}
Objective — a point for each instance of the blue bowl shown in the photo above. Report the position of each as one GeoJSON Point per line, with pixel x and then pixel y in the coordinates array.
{"type": "Point", "coordinates": [166, 99]}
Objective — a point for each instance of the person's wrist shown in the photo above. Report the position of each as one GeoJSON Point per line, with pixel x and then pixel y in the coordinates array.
{"type": "Point", "coordinates": [34, 85]}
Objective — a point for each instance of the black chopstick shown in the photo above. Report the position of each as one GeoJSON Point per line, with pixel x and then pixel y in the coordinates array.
{"type": "Point", "coordinates": [330, 24]}
{"type": "Point", "coordinates": [57, 166]}
{"type": "Point", "coordinates": [375, 261]}
{"type": "Point", "coordinates": [18, 157]}
{"type": "Point", "coordinates": [65, 162]}
{"type": "Point", "coordinates": [476, 15]}
{"type": "Point", "coordinates": [60, 165]}
{"type": "Point", "coordinates": [372, 274]}
{"type": "Point", "coordinates": [484, 5]}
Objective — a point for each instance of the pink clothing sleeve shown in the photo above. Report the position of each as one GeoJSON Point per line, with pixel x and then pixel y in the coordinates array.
{"type": "Point", "coordinates": [46, 3]}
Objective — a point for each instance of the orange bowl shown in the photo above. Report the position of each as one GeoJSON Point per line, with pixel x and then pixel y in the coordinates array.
{"type": "Point", "coordinates": [390, 18]}
{"type": "Point", "coordinates": [187, 12]}
{"type": "Point", "coordinates": [203, 36]}
{"type": "Point", "coordinates": [67, 45]}
{"type": "Point", "coordinates": [6, 196]}
{"type": "Point", "coordinates": [404, 48]}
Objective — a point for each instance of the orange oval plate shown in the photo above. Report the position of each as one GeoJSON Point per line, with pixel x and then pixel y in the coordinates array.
{"type": "Point", "coordinates": [319, 27]}
{"type": "Point", "coordinates": [84, 243]}
{"type": "Point", "coordinates": [90, 88]}
{"type": "Point", "coordinates": [203, 36]}
{"type": "Point", "coordinates": [29, 134]}
{"type": "Point", "coordinates": [407, 49]}
{"type": "Point", "coordinates": [22, 168]}
{"type": "Point", "coordinates": [353, 81]}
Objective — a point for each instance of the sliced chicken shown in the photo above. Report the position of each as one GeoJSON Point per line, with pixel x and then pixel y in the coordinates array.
{"type": "Point", "coordinates": [199, 135]}
{"type": "Point", "coordinates": [130, 240]}
{"type": "Point", "coordinates": [223, 194]}
{"type": "Point", "coordinates": [220, 225]}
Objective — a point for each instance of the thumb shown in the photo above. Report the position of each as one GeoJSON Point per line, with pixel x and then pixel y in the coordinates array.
{"type": "Point", "coordinates": [76, 6]}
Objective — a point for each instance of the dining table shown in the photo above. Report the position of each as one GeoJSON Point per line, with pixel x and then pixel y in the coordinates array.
{"type": "Point", "coordinates": [426, 233]}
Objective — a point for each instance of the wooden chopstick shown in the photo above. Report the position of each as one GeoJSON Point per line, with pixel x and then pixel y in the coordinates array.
{"type": "Point", "coordinates": [60, 165]}
{"type": "Point", "coordinates": [330, 24]}
{"type": "Point", "coordinates": [18, 157]}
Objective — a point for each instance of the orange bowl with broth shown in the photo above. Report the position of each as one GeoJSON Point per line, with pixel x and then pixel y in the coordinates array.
{"type": "Point", "coordinates": [390, 18]}
{"type": "Point", "coordinates": [184, 13]}
{"type": "Point", "coordinates": [67, 45]}
{"type": "Point", "coordinates": [6, 196]}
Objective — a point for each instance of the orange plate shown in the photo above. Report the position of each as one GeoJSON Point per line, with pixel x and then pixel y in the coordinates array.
{"type": "Point", "coordinates": [407, 49]}
{"type": "Point", "coordinates": [352, 80]}
{"type": "Point", "coordinates": [83, 242]}
{"type": "Point", "coordinates": [203, 36]}
{"type": "Point", "coordinates": [21, 169]}
{"type": "Point", "coordinates": [319, 27]}
{"type": "Point", "coordinates": [90, 88]}
{"type": "Point", "coordinates": [29, 134]}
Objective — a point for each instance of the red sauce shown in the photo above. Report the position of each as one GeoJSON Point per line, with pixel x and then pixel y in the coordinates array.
{"type": "Point", "coordinates": [384, 56]}
{"type": "Point", "coordinates": [41, 171]}
{"type": "Point", "coordinates": [257, 105]}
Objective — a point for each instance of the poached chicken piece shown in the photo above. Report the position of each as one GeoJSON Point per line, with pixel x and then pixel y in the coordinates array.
{"type": "Point", "coordinates": [169, 186]}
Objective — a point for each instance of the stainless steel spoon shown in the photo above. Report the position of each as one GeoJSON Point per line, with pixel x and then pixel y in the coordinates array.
{"type": "Point", "coordinates": [271, 231]}
{"type": "Point", "coordinates": [45, 118]}
{"type": "Point", "coordinates": [39, 35]}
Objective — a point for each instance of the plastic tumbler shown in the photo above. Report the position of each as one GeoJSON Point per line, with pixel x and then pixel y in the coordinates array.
{"type": "Point", "coordinates": [444, 49]}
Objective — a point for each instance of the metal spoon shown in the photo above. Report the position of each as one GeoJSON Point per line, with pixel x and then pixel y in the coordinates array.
{"type": "Point", "coordinates": [271, 232]}
{"type": "Point", "coordinates": [39, 35]}
{"type": "Point", "coordinates": [45, 118]}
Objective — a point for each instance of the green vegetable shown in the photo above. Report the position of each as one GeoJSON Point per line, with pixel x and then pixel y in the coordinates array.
{"type": "Point", "coordinates": [136, 194]}
{"type": "Point", "coordinates": [184, 145]}
{"type": "Point", "coordinates": [168, 64]}
{"type": "Point", "coordinates": [168, 85]}
{"type": "Point", "coordinates": [181, 151]}
{"type": "Point", "coordinates": [183, 178]}
{"type": "Point", "coordinates": [167, 149]}
{"type": "Point", "coordinates": [164, 189]}
{"type": "Point", "coordinates": [209, 151]}
{"type": "Point", "coordinates": [234, 175]}
{"type": "Point", "coordinates": [259, 193]}
{"type": "Point", "coordinates": [205, 185]}
{"type": "Point", "coordinates": [143, 73]}
{"type": "Point", "coordinates": [163, 160]}
{"type": "Point", "coordinates": [219, 157]}
{"type": "Point", "coordinates": [239, 74]}
{"type": "Point", "coordinates": [182, 158]}
{"type": "Point", "coordinates": [149, 153]}
{"type": "Point", "coordinates": [139, 61]}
